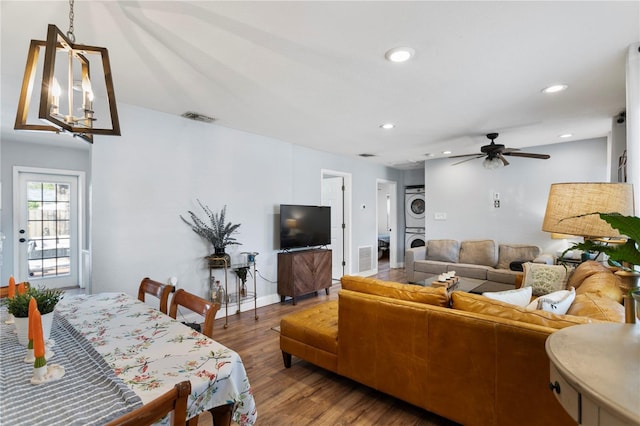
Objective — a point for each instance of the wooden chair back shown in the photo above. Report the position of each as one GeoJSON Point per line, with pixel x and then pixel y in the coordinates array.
{"type": "Point", "coordinates": [157, 289]}
{"type": "Point", "coordinates": [4, 291]}
{"type": "Point", "coordinates": [174, 401]}
{"type": "Point", "coordinates": [198, 305]}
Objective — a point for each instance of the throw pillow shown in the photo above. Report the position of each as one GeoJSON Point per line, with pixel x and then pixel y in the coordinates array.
{"type": "Point", "coordinates": [443, 250]}
{"type": "Point", "coordinates": [557, 302]}
{"type": "Point", "coordinates": [478, 252]}
{"type": "Point", "coordinates": [518, 297]}
{"type": "Point", "coordinates": [544, 279]}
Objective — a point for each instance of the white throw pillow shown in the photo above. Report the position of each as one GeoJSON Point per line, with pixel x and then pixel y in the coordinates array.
{"type": "Point", "coordinates": [544, 279]}
{"type": "Point", "coordinates": [557, 302]}
{"type": "Point", "coordinates": [518, 297]}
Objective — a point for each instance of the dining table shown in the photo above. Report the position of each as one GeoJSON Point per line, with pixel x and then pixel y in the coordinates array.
{"type": "Point", "coordinates": [119, 354]}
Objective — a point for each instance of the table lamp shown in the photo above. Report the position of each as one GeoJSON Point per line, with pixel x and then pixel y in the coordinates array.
{"type": "Point", "coordinates": [570, 205]}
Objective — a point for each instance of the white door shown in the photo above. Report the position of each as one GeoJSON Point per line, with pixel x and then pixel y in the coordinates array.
{"type": "Point", "coordinates": [47, 241]}
{"type": "Point", "coordinates": [332, 196]}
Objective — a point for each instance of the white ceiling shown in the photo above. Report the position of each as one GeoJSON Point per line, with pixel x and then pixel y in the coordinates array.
{"type": "Point", "coordinates": [314, 73]}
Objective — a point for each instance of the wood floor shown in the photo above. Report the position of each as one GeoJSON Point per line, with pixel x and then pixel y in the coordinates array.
{"type": "Point", "coordinates": [305, 394]}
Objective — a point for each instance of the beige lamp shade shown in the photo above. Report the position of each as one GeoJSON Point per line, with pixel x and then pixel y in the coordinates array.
{"type": "Point", "coordinates": [568, 200]}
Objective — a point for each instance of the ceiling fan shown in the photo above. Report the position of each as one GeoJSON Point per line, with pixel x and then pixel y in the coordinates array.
{"type": "Point", "coordinates": [495, 154]}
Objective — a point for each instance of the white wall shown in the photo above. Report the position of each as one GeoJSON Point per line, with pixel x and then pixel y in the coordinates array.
{"type": "Point", "coordinates": [145, 179]}
{"type": "Point", "coordinates": [465, 193]}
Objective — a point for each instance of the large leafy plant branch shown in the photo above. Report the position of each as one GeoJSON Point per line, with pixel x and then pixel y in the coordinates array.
{"type": "Point", "coordinates": [619, 254]}
{"type": "Point", "coordinates": [213, 228]}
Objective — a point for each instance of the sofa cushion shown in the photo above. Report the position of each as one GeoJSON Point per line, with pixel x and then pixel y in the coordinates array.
{"type": "Point", "coordinates": [479, 304]}
{"type": "Point", "coordinates": [603, 284]}
{"type": "Point", "coordinates": [518, 297]}
{"type": "Point", "coordinates": [543, 278]}
{"type": "Point", "coordinates": [478, 252]}
{"type": "Point", "coordinates": [508, 253]}
{"type": "Point", "coordinates": [584, 270]}
{"type": "Point", "coordinates": [443, 250]}
{"type": "Point", "coordinates": [434, 267]}
{"type": "Point", "coordinates": [430, 295]}
{"type": "Point", "coordinates": [316, 326]}
{"type": "Point", "coordinates": [597, 307]}
{"type": "Point", "coordinates": [468, 270]}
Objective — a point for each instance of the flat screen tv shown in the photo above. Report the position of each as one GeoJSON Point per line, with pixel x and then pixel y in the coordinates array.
{"type": "Point", "coordinates": [304, 226]}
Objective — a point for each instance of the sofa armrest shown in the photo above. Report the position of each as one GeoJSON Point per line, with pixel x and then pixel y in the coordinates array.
{"type": "Point", "coordinates": [410, 256]}
{"type": "Point", "coordinates": [545, 258]}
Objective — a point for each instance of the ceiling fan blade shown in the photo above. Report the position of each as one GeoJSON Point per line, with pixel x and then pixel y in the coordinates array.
{"type": "Point", "coordinates": [504, 160]}
{"type": "Point", "coordinates": [468, 159]}
{"type": "Point", "coordinates": [466, 155]}
{"type": "Point", "coordinates": [510, 150]}
{"type": "Point", "coordinates": [528, 155]}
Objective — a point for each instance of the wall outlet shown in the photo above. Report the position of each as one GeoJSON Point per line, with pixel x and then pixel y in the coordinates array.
{"type": "Point", "coordinates": [496, 204]}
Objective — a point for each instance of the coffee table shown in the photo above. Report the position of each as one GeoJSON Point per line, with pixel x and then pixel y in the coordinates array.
{"type": "Point", "coordinates": [471, 285]}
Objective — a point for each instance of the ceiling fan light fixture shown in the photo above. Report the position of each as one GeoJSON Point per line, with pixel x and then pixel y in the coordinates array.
{"type": "Point", "coordinates": [555, 88]}
{"type": "Point", "coordinates": [492, 163]}
{"type": "Point", "coordinates": [399, 54]}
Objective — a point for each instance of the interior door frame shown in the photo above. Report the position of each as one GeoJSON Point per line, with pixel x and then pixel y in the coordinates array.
{"type": "Point", "coordinates": [81, 176]}
{"type": "Point", "coordinates": [347, 215]}
{"type": "Point", "coordinates": [393, 220]}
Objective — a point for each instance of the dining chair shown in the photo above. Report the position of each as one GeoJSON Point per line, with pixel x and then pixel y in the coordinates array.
{"type": "Point", "coordinates": [174, 402]}
{"type": "Point", "coordinates": [157, 289]}
{"type": "Point", "coordinates": [198, 305]}
{"type": "Point", "coordinates": [4, 291]}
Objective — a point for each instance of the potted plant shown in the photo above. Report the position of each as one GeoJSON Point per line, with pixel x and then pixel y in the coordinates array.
{"type": "Point", "coordinates": [18, 306]}
{"type": "Point", "coordinates": [625, 256]}
{"type": "Point", "coordinates": [241, 272]}
{"type": "Point", "coordinates": [215, 230]}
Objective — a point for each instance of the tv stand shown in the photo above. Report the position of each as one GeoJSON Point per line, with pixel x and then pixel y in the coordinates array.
{"type": "Point", "coordinates": [303, 272]}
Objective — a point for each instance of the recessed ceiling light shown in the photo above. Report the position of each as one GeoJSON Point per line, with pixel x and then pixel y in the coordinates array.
{"type": "Point", "coordinates": [446, 152]}
{"type": "Point", "coordinates": [555, 88]}
{"type": "Point", "coordinates": [387, 126]}
{"type": "Point", "coordinates": [566, 135]}
{"type": "Point", "coordinates": [399, 54]}
{"type": "Point", "coordinates": [429, 154]}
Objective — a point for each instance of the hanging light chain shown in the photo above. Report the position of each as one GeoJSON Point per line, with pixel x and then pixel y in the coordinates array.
{"type": "Point", "coordinates": [70, 33]}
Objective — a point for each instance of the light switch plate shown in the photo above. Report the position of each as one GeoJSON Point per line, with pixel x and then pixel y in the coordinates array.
{"type": "Point", "coordinates": [440, 216]}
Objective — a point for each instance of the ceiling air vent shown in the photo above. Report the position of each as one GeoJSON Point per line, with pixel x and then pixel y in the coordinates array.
{"type": "Point", "coordinates": [366, 155]}
{"type": "Point", "coordinates": [198, 117]}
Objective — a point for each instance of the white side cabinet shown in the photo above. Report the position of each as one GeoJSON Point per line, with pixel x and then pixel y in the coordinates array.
{"type": "Point", "coordinates": [595, 373]}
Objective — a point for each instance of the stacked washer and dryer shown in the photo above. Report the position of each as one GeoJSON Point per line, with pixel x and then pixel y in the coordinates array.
{"type": "Point", "coordinates": [414, 216]}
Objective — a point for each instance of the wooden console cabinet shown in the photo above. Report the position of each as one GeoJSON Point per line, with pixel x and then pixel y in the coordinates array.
{"type": "Point", "coordinates": [303, 272]}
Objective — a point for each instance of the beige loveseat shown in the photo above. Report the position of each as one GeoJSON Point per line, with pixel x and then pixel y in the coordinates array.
{"type": "Point", "coordinates": [480, 259]}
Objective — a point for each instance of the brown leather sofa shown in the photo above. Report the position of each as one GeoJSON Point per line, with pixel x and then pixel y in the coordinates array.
{"type": "Point", "coordinates": [411, 342]}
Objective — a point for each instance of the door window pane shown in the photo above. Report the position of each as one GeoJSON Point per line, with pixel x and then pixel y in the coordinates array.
{"type": "Point", "coordinates": [48, 229]}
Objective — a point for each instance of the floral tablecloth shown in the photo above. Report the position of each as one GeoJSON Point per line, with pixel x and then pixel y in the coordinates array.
{"type": "Point", "coordinates": [151, 352]}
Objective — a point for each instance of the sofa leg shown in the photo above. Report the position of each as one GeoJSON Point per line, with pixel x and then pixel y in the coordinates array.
{"type": "Point", "coordinates": [287, 359]}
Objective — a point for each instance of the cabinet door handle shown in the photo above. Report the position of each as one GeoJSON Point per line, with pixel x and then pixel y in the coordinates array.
{"type": "Point", "coordinates": [555, 386]}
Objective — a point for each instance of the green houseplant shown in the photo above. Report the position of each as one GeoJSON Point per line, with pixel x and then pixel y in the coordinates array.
{"type": "Point", "coordinates": [46, 298]}
{"type": "Point", "coordinates": [216, 230]}
{"type": "Point", "coordinates": [625, 256]}
{"type": "Point", "coordinates": [18, 306]}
